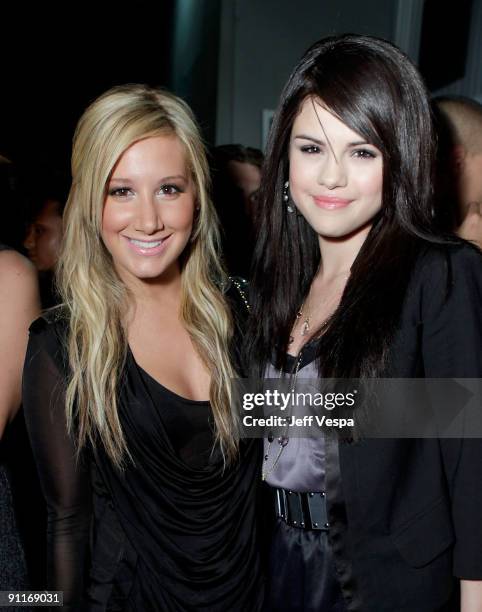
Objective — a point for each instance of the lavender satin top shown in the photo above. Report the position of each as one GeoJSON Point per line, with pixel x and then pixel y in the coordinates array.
{"type": "Point", "coordinates": [301, 465]}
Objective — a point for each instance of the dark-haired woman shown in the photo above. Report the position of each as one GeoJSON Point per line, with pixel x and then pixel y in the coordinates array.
{"type": "Point", "coordinates": [352, 282]}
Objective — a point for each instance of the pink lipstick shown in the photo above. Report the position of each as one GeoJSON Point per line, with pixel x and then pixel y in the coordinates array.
{"type": "Point", "coordinates": [330, 202]}
{"type": "Point", "coordinates": [147, 248]}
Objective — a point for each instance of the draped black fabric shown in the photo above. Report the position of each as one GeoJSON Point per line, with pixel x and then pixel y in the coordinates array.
{"type": "Point", "coordinates": [13, 573]}
{"type": "Point", "coordinates": [302, 572]}
{"type": "Point", "coordinates": [175, 531]}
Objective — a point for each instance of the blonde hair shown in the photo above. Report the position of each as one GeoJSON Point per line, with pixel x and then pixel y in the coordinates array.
{"type": "Point", "coordinates": [95, 297]}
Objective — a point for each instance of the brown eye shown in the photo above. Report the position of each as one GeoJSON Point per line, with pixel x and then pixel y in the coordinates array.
{"type": "Point", "coordinates": [364, 154]}
{"type": "Point", "coordinates": [310, 149]}
{"type": "Point", "coordinates": [170, 189]}
{"type": "Point", "coordinates": [120, 192]}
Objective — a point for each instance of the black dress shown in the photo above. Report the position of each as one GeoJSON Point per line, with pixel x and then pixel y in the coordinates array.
{"type": "Point", "coordinates": [175, 531]}
{"type": "Point", "coordinates": [13, 573]}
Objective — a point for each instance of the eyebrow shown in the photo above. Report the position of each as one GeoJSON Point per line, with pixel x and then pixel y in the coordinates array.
{"type": "Point", "coordinates": [321, 142]}
{"type": "Point", "coordinates": [166, 178]}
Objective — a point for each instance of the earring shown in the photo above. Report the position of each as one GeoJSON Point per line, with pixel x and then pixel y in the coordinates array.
{"type": "Point", "coordinates": [286, 198]}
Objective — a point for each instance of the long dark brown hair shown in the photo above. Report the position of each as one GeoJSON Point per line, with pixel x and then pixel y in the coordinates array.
{"type": "Point", "coordinates": [372, 87]}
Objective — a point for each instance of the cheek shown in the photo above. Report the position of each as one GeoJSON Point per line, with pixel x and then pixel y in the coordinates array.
{"type": "Point", "coordinates": [114, 218]}
{"type": "Point", "coordinates": [179, 217]}
{"type": "Point", "coordinates": [301, 176]}
{"type": "Point", "coordinates": [51, 242]}
{"type": "Point", "coordinates": [56, 234]}
{"type": "Point", "coordinates": [370, 184]}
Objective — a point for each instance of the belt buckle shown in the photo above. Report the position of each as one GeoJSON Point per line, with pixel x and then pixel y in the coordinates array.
{"type": "Point", "coordinates": [295, 515]}
{"type": "Point", "coordinates": [281, 506]}
{"type": "Point", "coordinates": [316, 511]}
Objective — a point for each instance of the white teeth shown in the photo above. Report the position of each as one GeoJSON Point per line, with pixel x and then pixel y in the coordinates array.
{"type": "Point", "coordinates": [145, 245]}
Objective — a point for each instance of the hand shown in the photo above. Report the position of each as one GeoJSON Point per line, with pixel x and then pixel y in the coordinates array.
{"type": "Point", "coordinates": [471, 227]}
{"type": "Point", "coordinates": [470, 596]}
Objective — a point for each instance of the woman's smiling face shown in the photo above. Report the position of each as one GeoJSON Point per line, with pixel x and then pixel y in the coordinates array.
{"type": "Point", "coordinates": [336, 177]}
{"type": "Point", "coordinates": [149, 208]}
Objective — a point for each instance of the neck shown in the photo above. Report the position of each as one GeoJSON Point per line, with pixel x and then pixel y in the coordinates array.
{"type": "Point", "coordinates": [338, 254]}
{"type": "Point", "coordinates": [162, 292]}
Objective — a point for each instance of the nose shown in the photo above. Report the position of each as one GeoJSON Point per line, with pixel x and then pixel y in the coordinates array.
{"type": "Point", "coordinates": [332, 172]}
{"type": "Point", "coordinates": [29, 241]}
{"type": "Point", "coordinates": [149, 219]}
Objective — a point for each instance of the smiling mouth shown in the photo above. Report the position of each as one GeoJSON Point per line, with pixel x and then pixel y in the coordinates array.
{"type": "Point", "coordinates": [147, 247]}
{"type": "Point", "coordinates": [144, 244]}
{"type": "Point", "coordinates": [330, 202]}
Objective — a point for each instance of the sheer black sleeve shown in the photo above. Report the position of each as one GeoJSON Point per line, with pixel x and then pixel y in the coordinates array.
{"type": "Point", "coordinates": [65, 481]}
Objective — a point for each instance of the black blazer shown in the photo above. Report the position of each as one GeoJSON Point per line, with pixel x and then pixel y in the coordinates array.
{"type": "Point", "coordinates": [406, 514]}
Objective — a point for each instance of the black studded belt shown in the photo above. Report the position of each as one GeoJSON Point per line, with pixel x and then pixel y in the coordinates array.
{"type": "Point", "coordinates": [302, 510]}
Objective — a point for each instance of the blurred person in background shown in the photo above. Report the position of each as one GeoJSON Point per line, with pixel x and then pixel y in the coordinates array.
{"type": "Point", "coordinates": [46, 195]}
{"type": "Point", "coordinates": [459, 181]}
{"type": "Point", "coordinates": [236, 177]}
{"type": "Point", "coordinates": [242, 166]}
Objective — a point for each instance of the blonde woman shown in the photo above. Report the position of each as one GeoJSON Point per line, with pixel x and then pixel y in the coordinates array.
{"type": "Point", "coordinates": [127, 386]}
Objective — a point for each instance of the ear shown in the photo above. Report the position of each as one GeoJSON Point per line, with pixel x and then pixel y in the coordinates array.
{"type": "Point", "coordinates": [457, 158]}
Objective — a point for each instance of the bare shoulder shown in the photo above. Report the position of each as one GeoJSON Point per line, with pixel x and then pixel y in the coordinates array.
{"type": "Point", "coordinates": [17, 274]}
{"type": "Point", "coordinates": [19, 292]}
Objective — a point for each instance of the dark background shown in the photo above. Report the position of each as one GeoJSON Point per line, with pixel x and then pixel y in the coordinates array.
{"type": "Point", "coordinates": [56, 61]}
{"type": "Point", "coordinates": [56, 64]}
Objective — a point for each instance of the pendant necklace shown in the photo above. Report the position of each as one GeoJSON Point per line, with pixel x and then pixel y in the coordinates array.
{"type": "Point", "coordinates": [282, 440]}
{"type": "Point", "coordinates": [305, 329]}
{"type": "Point", "coordinates": [306, 324]}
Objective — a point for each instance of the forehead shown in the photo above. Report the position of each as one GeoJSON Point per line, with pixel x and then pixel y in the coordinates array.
{"type": "Point", "coordinates": [244, 170]}
{"type": "Point", "coordinates": [50, 209]}
{"type": "Point", "coordinates": [164, 154]}
{"type": "Point", "coordinates": [314, 118]}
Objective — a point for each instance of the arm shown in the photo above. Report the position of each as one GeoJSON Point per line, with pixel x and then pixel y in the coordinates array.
{"type": "Point", "coordinates": [452, 348]}
{"type": "Point", "coordinates": [65, 481]}
{"type": "Point", "coordinates": [19, 306]}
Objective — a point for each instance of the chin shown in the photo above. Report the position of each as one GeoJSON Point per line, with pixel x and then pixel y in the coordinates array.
{"type": "Point", "coordinates": [150, 274]}
{"type": "Point", "coordinates": [331, 231]}
{"type": "Point", "coordinates": [340, 230]}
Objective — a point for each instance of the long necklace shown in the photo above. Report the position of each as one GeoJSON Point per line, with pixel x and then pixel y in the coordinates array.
{"type": "Point", "coordinates": [306, 324]}
{"type": "Point", "coordinates": [305, 329]}
{"type": "Point", "coordinates": [282, 440]}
